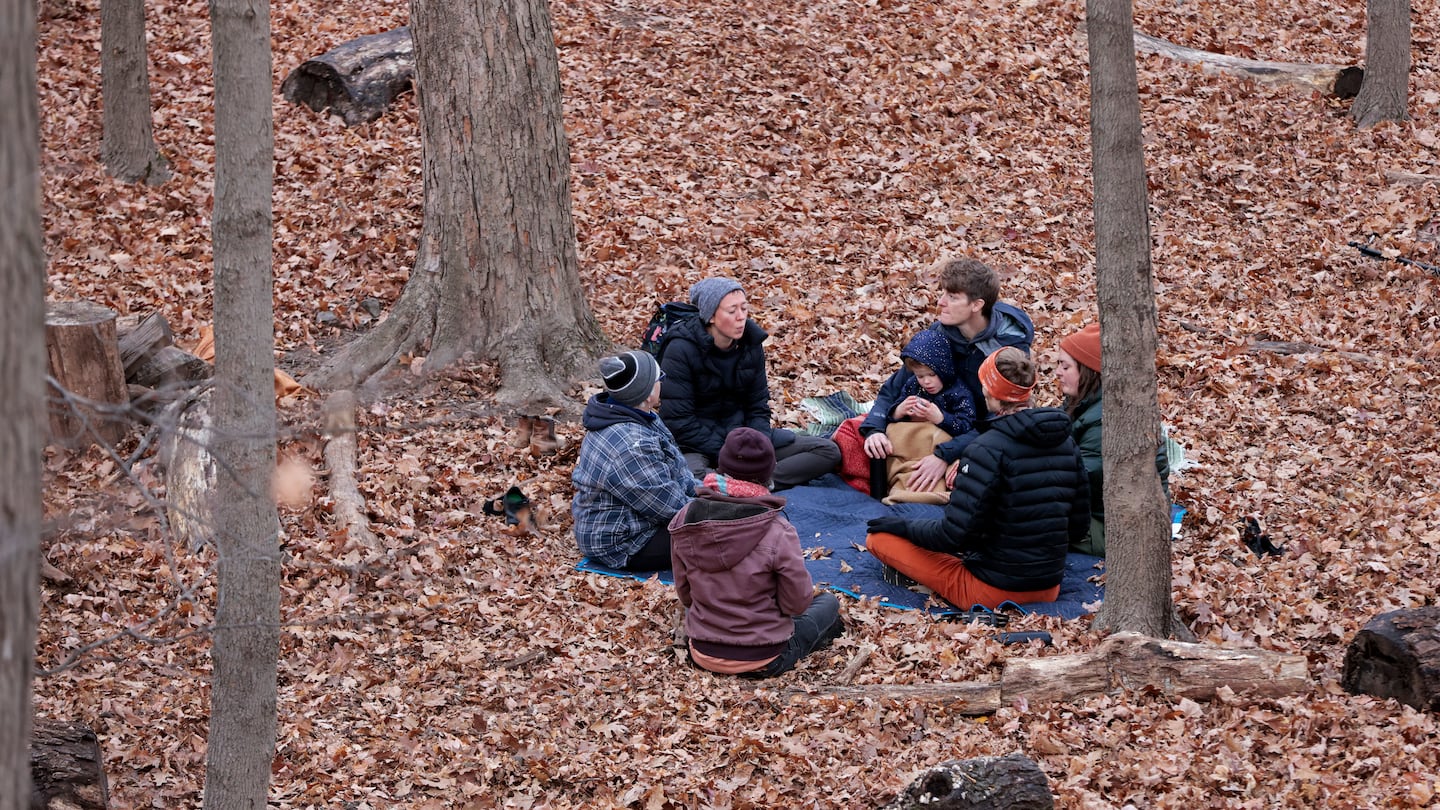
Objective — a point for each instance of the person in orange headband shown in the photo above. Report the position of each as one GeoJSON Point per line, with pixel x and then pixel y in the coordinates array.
{"type": "Point", "coordinates": [1021, 496]}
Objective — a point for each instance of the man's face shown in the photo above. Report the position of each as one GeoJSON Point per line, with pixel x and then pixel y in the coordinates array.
{"type": "Point", "coordinates": [957, 308]}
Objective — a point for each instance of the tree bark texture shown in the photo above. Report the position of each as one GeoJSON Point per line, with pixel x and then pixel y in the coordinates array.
{"type": "Point", "coordinates": [1397, 655]}
{"type": "Point", "coordinates": [1385, 93]}
{"type": "Point", "coordinates": [356, 80]}
{"type": "Point", "coordinates": [1137, 523]}
{"type": "Point", "coordinates": [1013, 782]}
{"type": "Point", "coordinates": [67, 768]}
{"type": "Point", "coordinates": [496, 271]}
{"type": "Point", "coordinates": [247, 612]}
{"type": "Point", "coordinates": [88, 402]}
{"type": "Point", "coordinates": [1123, 661]}
{"type": "Point", "coordinates": [128, 148]}
{"type": "Point", "coordinates": [22, 391]}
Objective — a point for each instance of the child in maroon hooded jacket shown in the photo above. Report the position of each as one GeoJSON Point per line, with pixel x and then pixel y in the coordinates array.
{"type": "Point", "coordinates": [752, 608]}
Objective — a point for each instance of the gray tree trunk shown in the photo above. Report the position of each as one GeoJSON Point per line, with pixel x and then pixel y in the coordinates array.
{"type": "Point", "coordinates": [1137, 523]}
{"type": "Point", "coordinates": [22, 392]}
{"type": "Point", "coordinates": [247, 613]}
{"type": "Point", "coordinates": [496, 271]}
{"type": "Point", "coordinates": [129, 149]}
{"type": "Point", "coordinates": [1385, 92]}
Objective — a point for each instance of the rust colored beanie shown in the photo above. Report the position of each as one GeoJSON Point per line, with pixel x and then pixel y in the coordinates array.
{"type": "Point", "coordinates": [1084, 346]}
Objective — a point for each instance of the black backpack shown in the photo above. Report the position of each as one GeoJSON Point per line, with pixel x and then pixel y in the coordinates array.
{"type": "Point", "coordinates": [665, 317]}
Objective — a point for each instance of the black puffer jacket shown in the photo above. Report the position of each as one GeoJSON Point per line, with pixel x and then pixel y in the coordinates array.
{"type": "Point", "coordinates": [1021, 496]}
{"type": "Point", "coordinates": [708, 392]}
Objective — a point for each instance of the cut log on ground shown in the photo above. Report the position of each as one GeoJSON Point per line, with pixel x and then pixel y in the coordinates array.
{"type": "Point", "coordinates": [1124, 661]}
{"type": "Point", "coordinates": [1014, 782]}
{"type": "Point", "coordinates": [357, 80]}
{"type": "Point", "coordinates": [1314, 77]}
{"type": "Point", "coordinates": [349, 504]}
{"type": "Point", "coordinates": [190, 471]}
{"type": "Point", "coordinates": [1397, 655]}
{"type": "Point", "coordinates": [168, 368]}
{"type": "Point", "coordinates": [88, 400]}
{"type": "Point", "coordinates": [140, 337]}
{"type": "Point", "coordinates": [1410, 178]}
{"type": "Point", "coordinates": [67, 771]}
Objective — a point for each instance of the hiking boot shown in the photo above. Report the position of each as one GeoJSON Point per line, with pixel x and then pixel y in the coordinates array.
{"type": "Point", "coordinates": [894, 577]}
{"type": "Point", "coordinates": [543, 441]}
{"type": "Point", "coordinates": [524, 430]}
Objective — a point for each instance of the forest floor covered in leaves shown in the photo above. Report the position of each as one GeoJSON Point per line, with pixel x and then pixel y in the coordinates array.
{"type": "Point", "coordinates": [824, 154]}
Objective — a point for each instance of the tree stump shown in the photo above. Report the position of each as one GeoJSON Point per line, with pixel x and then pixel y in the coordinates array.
{"type": "Point", "coordinates": [67, 771]}
{"type": "Point", "coordinates": [190, 469]}
{"type": "Point", "coordinates": [356, 80]}
{"type": "Point", "coordinates": [1014, 782]}
{"type": "Point", "coordinates": [90, 402]}
{"type": "Point", "coordinates": [1397, 655]}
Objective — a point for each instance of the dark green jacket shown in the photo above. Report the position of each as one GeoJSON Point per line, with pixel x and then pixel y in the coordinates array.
{"type": "Point", "coordinates": [1085, 429]}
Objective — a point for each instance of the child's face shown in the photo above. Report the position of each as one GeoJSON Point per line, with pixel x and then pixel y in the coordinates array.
{"type": "Point", "coordinates": [929, 381]}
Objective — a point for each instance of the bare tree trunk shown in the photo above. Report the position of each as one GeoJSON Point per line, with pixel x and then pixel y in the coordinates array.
{"type": "Point", "coordinates": [129, 147]}
{"type": "Point", "coordinates": [1386, 90]}
{"type": "Point", "coordinates": [247, 613]}
{"type": "Point", "coordinates": [496, 271]}
{"type": "Point", "coordinates": [1137, 526]}
{"type": "Point", "coordinates": [22, 392]}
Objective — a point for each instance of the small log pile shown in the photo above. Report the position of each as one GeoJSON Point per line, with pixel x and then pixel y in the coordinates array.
{"type": "Point", "coordinates": [157, 372]}
{"type": "Point", "coordinates": [356, 80]}
{"type": "Point", "coordinates": [67, 771]}
{"type": "Point", "coordinates": [1013, 782]}
{"type": "Point", "coordinates": [1397, 655]}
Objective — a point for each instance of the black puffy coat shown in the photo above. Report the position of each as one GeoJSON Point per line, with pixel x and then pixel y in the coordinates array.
{"type": "Point", "coordinates": [707, 391]}
{"type": "Point", "coordinates": [1021, 496]}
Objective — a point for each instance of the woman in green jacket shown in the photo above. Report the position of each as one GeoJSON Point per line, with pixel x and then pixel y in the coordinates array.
{"type": "Point", "coordinates": [1079, 373]}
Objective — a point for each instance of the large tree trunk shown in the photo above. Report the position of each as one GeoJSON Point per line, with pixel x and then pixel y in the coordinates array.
{"type": "Point", "coordinates": [247, 613]}
{"type": "Point", "coordinates": [22, 391]}
{"type": "Point", "coordinates": [1137, 522]}
{"type": "Point", "coordinates": [129, 147]}
{"type": "Point", "coordinates": [1386, 91]}
{"type": "Point", "coordinates": [496, 270]}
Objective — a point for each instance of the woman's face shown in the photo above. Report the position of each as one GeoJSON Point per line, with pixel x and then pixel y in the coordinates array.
{"type": "Point", "coordinates": [1068, 372]}
{"type": "Point", "coordinates": [729, 320]}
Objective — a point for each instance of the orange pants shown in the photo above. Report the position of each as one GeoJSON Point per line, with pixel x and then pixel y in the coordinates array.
{"type": "Point", "coordinates": [946, 575]}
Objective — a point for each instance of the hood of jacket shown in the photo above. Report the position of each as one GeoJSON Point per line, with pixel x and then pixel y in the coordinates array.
{"type": "Point", "coordinates": [1036, 427]}
{"type": "Point", "coordinates": [1008, 327]}
{"type": "Point", "coordinates": [601, 413]}
{"type": "Point", "coordinates": [694, 331]}
{"type": "Point", "coordinates": [933, 349]}
{"type": "Point", "coordinates": [719, 531]}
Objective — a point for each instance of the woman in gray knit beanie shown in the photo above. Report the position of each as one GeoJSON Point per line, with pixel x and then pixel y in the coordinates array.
{"type": "Point", "coordinates": [715, 381]}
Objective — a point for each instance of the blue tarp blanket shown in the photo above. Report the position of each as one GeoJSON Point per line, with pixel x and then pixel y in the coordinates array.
{"type": "Point", "coordinates": [830, 518]}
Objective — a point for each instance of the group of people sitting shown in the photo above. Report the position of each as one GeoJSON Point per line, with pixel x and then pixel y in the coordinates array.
{"type": "Point", "coordinates": [681, 461]}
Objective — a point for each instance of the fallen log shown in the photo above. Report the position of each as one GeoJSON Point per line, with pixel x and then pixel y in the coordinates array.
{"type": "Point", "coordinates": [1397, 655]}
{"type": "Point", "coordinates": [87, 397]}
{"type": "Point", "coordinates": [140, 337]}
{"type": "Point", "coordinates": [349, 504]}
{"type": "Point", "coordinates": [357, 80]}
{"type": "Point", "coordinates": [1124, 661]}
{"type": "Point", "coordinates": [190, 467]}
{"type": "Point", "coordinates": [1313, 76]}
{"type": "Point", "coordinates": [67, 771]}
{"type": "Point", "coordinates": [1013, 782]}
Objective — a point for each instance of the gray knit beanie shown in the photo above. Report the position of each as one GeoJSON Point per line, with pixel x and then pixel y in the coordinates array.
{"type": "Point", "coordinates": [706, 295]}
{"type": "Point", "coordinates": [629, 377]}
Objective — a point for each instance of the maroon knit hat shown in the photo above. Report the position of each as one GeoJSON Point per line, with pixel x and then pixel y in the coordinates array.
{"type": "Point", "coordinates": [748, 455]}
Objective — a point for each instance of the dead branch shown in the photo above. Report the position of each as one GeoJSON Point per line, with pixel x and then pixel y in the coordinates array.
{"type": "Point", "coordinates": [339, 415]}
{"type": "Point", "coordinates": [1312, 76]}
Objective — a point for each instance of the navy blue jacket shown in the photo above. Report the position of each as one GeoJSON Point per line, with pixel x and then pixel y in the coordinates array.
{"type": "Point", "coordinates": [1021, 496]}
{"type": "Point", "coordinates": [707, 391]}
{"type": "Point", "coordinates": [933, 349]}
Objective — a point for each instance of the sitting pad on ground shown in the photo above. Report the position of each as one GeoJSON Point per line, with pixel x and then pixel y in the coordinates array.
{"type": "Point", "coordinates": [830, 515]}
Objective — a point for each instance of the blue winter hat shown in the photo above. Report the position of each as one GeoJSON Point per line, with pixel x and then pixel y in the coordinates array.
{"type": "Point", "coordinates": [707, 293]}
{"type": "Point", "coordinates": [629, 377]}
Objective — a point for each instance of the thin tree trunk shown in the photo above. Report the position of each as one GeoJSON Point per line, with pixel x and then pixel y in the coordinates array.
{"type": "Point", "coordinates": [1137, 526]}
{"type": "Point", "coordinates": [496, 272]}
{"type": "Point", "coordinates": [247, 614]}
{"type": "Point", "coordinates": [129, 147]}
{"type": "Point", "coordinates": [1385, 92]}
{"type": "Point", "coordinates": [22, 392]}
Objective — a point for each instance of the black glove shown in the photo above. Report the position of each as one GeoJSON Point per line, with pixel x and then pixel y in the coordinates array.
{"type": "Point", "coordinates": [888, 524]}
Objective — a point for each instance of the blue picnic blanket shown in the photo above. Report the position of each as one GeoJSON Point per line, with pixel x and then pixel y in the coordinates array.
{"type": "Point", "coordinates": [830, 518]}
